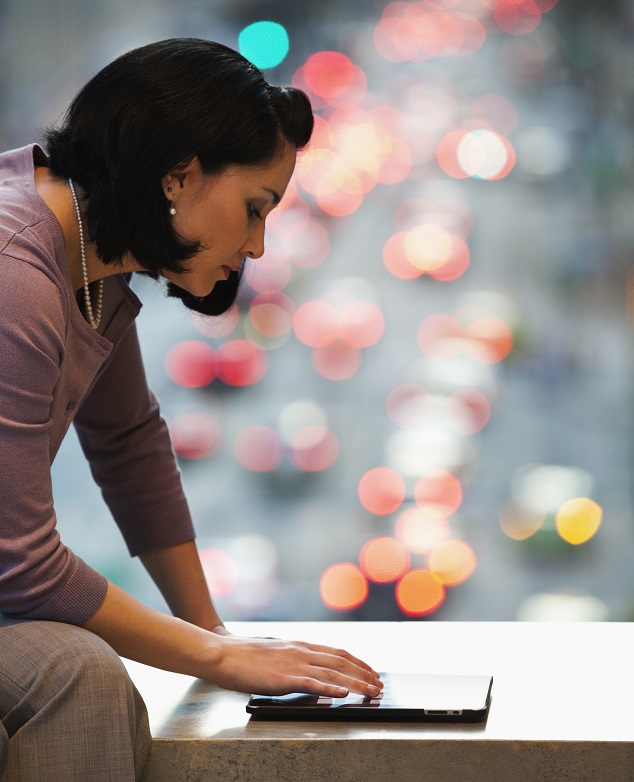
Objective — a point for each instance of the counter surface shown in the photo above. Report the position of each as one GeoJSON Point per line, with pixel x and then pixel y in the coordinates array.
{"type": "Point", "coordinates": [561, 708]}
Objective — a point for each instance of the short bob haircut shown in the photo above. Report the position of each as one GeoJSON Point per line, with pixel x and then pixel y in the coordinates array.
{"type": "Point", "coordinates": [150, 112]}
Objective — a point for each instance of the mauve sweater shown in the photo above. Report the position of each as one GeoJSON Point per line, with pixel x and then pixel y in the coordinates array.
{"type": "Point", "coordinates": [54, 369]}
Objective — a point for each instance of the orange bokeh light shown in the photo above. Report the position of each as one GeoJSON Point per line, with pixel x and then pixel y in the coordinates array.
{"type": "Point", "coordinates": [452, 561]}
{"type": "Point", "coordinates": [384, 559]}
{"type": "Point", "coordinates": [381, 490]}
{"type": "Point", "coordinates": [343, 587]}
{"type": "Point", "coordinates": [419, 592]}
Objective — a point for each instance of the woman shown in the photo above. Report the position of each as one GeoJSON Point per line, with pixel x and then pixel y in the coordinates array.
{"type": "Point", "coordinates": [168, 162]}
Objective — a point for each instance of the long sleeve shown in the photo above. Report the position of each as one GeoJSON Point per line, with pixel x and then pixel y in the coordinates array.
{"type": "Point", "coordinates": [129, 450]}
{"type": "Point", "coordinates": [40, 578]}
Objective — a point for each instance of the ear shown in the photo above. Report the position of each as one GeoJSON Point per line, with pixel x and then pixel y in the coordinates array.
{"type": "Point", "coordinates": [181, 176]}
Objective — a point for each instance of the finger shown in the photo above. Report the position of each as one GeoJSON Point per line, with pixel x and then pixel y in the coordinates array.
{"type": "Point", "coordinates": [347, 666]}
{"type": "Point", "coordinates": [315, 686]}
{"type": "Point", "coordinates": [343, 654]}
{"type": "Point", "coordinates": [361, 686]}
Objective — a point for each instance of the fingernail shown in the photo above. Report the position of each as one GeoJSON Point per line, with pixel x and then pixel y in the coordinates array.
{"type": "Point", "coordinates": [342, 692]}
{"type": "Point", "coordinates": [373, 690]}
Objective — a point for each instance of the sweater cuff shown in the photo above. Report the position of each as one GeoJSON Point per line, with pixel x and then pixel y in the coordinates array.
{"type": "Point", "coordinates": [77, 600]}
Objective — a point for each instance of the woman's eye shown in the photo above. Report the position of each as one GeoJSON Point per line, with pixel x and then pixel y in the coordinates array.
{"type": "Point", "coordinates": [253, 212]}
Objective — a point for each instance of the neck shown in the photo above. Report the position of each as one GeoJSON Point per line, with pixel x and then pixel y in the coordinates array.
{"type": "Point", "coordinates": [55, 192]}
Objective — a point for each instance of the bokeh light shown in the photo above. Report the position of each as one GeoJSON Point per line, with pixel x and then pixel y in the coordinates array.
{"type": "Point", "coordinates": [314, 448]}
{"type": "Point", "coordinates": [219, 325]}
{"type": "Point", "coordinates": [343, 587]}
{"type": "Point", "coordinates": [381, 490]}
{"type": "Point", "coordinates": [242, 363]}
{"type": "Point", "coordinates": [195, 435]}
{"type": "Point", "coordinates": [221, 571]}
{"type": "Point", "coordinates": [578, 520]}
{"type": "Point", "coordinates": [258, 448]}
{"type": "Point", "coordinates": [522, 517]}
{"type": "Point", "coordinates": [316, 323]}
{"type": "Point", "coordinates": [192, 364]}
{"type": "Point", "coordinates": [479, 153]}
{"type": "Point", "coordinates": [265, 44]}
{"type": "Point", "coordinates": [421, 529]}
{"type": "Point", "coordinates": [452, 561]}
{"type": "Point", "coordinates": [419, 592]}
{"type": "Point", "coordinates": [337, 360]}
{"type": "Point", "coordinates": [440, 490]}
{"type": "Point", "coordinates": [384, 559]}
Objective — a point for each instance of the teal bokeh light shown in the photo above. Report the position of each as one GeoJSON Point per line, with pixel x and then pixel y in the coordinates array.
{"type": "Point", "coordinates": [265, 44]}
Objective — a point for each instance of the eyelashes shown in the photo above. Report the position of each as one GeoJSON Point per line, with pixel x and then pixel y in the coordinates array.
{"type": "Point", "coordinates": [253, 212]}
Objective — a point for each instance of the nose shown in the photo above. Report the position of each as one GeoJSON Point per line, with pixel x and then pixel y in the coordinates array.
{"type": "Point", "coordinates": [254, 245]}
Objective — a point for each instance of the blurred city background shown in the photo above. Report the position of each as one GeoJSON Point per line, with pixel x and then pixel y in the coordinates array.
{"type": "Point", "coordinates": [422, 406]}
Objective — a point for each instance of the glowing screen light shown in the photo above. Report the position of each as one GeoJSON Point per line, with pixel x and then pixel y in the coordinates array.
{"type": "Point", "coordinates": [419, 592]}
{"type": "Point", "coordinates": [381, 490]}
{"type": "Point", "coordinates": [343, 586]}
{"type": "Point", "coordinates": [578, 519]}
{"type": "Point", "coordinates": [384, 559]}
{"type": "Point", "coordinates": [265, 44]}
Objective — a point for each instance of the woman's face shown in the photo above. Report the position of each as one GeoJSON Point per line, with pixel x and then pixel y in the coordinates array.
{"type": "Point", "coordinates": [226, 214]}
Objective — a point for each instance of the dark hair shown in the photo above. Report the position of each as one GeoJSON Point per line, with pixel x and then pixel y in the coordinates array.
{"type": "Point", "coordinates": [151, 111]}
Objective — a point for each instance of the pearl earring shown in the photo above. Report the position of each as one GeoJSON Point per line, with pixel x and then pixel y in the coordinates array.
{"type": "Point", "coordinates": [172, 210]}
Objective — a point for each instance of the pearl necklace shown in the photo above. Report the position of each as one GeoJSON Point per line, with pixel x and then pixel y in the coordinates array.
{"type": "Point", "coordinates": [94, 320]}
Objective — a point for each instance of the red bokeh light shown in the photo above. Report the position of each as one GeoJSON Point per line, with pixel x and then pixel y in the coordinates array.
{"type": "Point", "coordinates": [381, 490]}
{"type": "Point", "coordinates": [439, 489]}
{"type": "Point", "coordinates": [314, 448]}
{"type": "Point", "coordinates": [195, 435]}
{"type": "Point", "coordinates": [271, 315]}
{"type": "Point", "coordinates": [361, 324]}
{"type": "Point", "coordinates": [192, 364]}
{"type": "Point", "coordinates": [258, 448]}
{"type": "Point", "coordinates": [337, 360]}
{"type": "Point", "coordinates": [316, 323]}
{"type": "Point", "coordinates": [243, 363]}
{"type": "Point", "coordinates": [221, 571]}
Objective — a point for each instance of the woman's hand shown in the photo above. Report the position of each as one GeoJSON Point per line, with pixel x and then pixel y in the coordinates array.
{"type": "Point", "coordinates": [269, 666]}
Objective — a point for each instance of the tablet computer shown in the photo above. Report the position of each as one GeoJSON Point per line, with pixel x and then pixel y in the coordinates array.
{"type": "Point", "coordinates": [406, 697]}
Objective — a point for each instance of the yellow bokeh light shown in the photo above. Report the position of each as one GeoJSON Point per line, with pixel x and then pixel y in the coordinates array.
{"type": "Point", "coordinates": [577, 520]}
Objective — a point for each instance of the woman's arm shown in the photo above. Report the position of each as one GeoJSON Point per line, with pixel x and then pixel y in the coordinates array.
{"type": "Point", "coordinates": [260, 665]}
{"type": "Point", "coordinates": [178, 574]}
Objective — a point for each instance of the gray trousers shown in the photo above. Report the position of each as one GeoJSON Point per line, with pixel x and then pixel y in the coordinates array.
{"type": "Point", "coordinates": [68, 709]}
